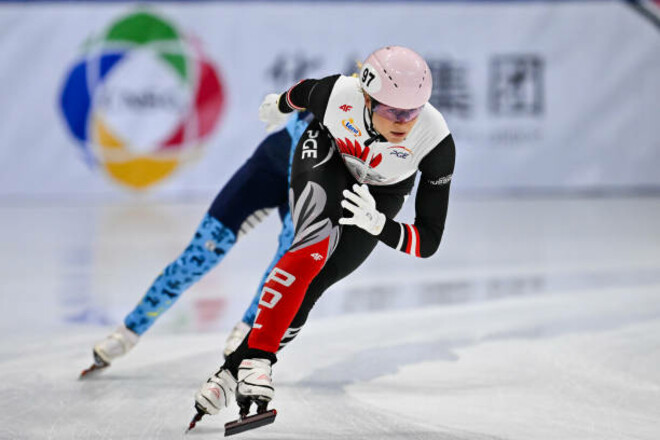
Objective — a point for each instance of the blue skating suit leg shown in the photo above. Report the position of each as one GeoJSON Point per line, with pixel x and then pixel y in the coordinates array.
{"type": "Point", "coordinates": [295, 127]}
{"type": "Point", "coordinates": [260, 183]}
{"type": "Point", "coordinates": [211, 242]}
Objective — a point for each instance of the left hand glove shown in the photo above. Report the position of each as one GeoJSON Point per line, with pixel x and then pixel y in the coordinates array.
{"type": "Point", "coordinates": [363, 206]}
{"type": "Point", "coordinates": [269, 112]}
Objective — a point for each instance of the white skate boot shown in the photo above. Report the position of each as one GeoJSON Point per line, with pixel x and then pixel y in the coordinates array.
{"type": "Point", "coordinates": [235, 338]}
{"type": "Point", "coordinates": [254, 381]}
{"type": "Point", "coordinates": [255, 386]}
{"type": "Point", "coordinates": [118, 343]}
{"type": "Point", "coordinates": [216, 393]}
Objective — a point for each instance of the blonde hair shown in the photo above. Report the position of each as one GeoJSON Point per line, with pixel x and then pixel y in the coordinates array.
{"type": "Point", "coordinates": [358, 63]}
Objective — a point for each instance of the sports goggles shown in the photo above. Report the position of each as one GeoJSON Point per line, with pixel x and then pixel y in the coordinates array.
{"type": "Point", "coordinates": [395, 114]}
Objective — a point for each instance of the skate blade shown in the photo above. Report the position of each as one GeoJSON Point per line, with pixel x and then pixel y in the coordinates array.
{"type": "Point", "coordinates": [195, 419]}
{"type": "Point", "coordinates": [99, 364]}
{"type": "Point", "coordinates": [94, 368]}
{"type": "Point", "coordinates": [250, 422]}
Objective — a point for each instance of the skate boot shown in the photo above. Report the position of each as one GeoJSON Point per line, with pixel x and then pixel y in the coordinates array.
{"type": "Point", "coordinates": [216, 393]}
{"type": "Point", "coordinates": [254, 381]}
{"type": "Point", "coordinates": [254, 385]}
{"type": "Point", "coordinates": [117, 344]}
{"type": "Point", "coordinates": [235, 338]}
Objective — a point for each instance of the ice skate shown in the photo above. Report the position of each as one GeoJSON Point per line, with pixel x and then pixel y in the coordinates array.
{"type": "Point", "coordinates": [214, 395]}
{"type": "Point", "coordinates": [235, 337]}
{"type": "Point", "coordinates": [255, 385]}
{"type": "Point", "coordinates": [117, 344]}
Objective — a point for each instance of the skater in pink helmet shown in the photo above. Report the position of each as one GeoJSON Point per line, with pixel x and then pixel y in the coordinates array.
{"type": "Point", "coordinates": [352, 168]}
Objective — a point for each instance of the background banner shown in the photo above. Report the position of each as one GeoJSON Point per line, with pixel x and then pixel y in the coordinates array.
{"type": "Point", "coordinates": [160, 101]}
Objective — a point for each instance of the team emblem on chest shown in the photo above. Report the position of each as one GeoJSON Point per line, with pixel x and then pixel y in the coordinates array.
{"type": "Point", "coordinates": [359, 160]}
{"type": "Point", "coordinates": [354, 149]}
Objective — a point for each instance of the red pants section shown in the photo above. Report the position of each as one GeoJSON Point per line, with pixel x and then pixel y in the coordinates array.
{"type": "Point", "coordinates": [283, 293]}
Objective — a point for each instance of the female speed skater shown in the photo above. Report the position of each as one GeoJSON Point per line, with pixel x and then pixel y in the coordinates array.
{"type": "Point", "coordinates": [352, 168]}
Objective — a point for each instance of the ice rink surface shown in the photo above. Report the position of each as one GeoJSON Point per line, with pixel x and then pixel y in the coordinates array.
{"type": "Point", "coordinates": [539, 318]}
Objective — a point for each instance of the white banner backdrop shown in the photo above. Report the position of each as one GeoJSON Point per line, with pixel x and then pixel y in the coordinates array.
{"type": "Point", "coordinates": [118, 100]}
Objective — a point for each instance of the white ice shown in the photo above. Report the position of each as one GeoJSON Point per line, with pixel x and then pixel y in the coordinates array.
{"type": "Point", "coordinates": [537, 319]}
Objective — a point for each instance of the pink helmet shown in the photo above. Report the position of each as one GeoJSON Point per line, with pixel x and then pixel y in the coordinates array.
{"type": "Point", "coordinates": [398, 77]}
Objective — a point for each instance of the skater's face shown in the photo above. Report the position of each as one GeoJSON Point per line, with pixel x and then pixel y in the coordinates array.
{"type": "Point", "coordinates": [393, 124]}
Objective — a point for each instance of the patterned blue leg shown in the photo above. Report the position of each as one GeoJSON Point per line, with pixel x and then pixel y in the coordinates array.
{"type": "Point", "coordinates": [211, 242]}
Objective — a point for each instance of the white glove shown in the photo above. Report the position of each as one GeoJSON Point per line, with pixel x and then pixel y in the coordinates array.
{"type": "Point", "coordinates": [269, 112]}
{"type": "Point", "coordinates": [363, 207]}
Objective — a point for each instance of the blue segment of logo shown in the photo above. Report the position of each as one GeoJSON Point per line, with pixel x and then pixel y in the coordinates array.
{"type": "Point", "coordinates": [108, 61]}
{"type": "Point", "coordinates": [75, 101]}
{"type": "Point", "coordinates": [76, 97]}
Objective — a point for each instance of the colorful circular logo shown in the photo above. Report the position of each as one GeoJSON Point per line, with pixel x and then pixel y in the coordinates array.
{"type": "Point", "coordinates": [142, 100]}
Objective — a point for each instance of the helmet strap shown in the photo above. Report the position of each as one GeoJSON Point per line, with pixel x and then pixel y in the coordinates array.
{"type": "Point", "coordinates": [368, 122]}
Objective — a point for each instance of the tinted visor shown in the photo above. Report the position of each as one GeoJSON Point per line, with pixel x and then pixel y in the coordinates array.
{"type": "Point", "coordinates": [395, 114]}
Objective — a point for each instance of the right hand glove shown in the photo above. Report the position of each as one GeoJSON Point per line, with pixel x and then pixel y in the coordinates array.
{"type": "Point", "coordinates": [363, 206]}
{"type": "Point", "coordinates": [269, 112]}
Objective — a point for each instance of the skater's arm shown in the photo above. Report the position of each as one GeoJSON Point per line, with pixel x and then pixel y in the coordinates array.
{"type": "Point", "coordinates": [308, 94]}
{"type": "Point", "coordinates": [422, 238]}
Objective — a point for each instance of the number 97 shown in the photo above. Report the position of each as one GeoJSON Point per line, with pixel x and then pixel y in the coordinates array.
{"type": "Point", "coordinates": [367, 76]}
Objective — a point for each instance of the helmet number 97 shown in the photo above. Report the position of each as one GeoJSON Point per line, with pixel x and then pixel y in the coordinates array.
{"type": "Point", "coordinates": [367, 76]}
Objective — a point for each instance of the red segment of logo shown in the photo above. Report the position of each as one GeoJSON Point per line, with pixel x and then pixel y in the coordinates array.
{"type": "Point", "coordinates": [345, 107]}
{"type": "Point", "coordinates": [208, 106]}
{"type": "Point", "coordinates": [354, 148]}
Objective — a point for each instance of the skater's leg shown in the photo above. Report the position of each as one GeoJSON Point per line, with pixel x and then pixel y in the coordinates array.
{"type": "Point", "coordinates": [241, 329]}
{"type": "Point", "coordinates": [211, 241]}
{"type": "Point", "coordinates": [295, 127]}
{"type": "Point", "coordinates": [316, 185]}
{"type": "Point", "coordinates": [284, 242]}
{"type": "Point", "coordinates": [317, 182]}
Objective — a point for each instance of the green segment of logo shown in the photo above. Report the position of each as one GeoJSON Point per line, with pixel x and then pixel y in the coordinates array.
{"type": "Point", "coordinates": [143, 28]}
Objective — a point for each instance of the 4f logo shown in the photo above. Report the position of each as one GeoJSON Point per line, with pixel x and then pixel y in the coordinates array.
{"type": "Point", "coordinates": [346, 107]}
{"type": "Point", "coordinates": [269, 296]}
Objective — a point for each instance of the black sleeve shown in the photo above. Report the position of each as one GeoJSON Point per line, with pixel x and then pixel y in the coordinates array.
{"type": "Point", "coordinates": [309, 94]}
{"type": "Point", "coordinates": [422, 238]}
